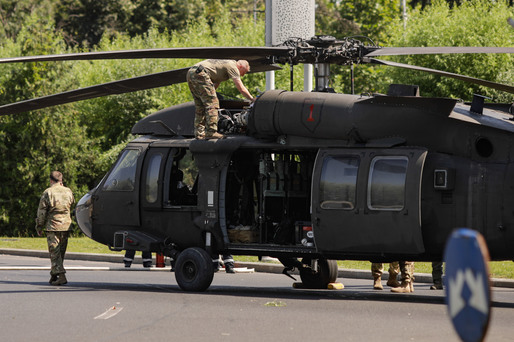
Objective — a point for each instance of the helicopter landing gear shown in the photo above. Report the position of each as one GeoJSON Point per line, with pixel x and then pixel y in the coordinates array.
{"type": "Point", "coordinates": [318, 273]}
{"type": "Point", "coordinates": [193, 270]}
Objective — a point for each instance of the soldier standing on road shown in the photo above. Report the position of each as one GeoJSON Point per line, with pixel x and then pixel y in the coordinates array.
{"type": "Point", "coordinates": [437, 275]}
{"type": "Point", "coordinates": [407, 286]}
{"type": "Point", "coordinates": [131, 253]}
{"type": "Point", "coordinates": [377, 269]}
{"type": "Point", "coordinates": [53, 216]}
{"type": "Point", "coordinates": [203, 80]}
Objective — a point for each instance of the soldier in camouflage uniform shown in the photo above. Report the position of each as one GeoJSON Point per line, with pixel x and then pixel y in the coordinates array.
{"type": "Point", "coordinates": [377, 269]}
{"type": "Point", "coordinates": [53, 216]}
{"type": "Point", "coordinates": [203, 80]}
{"type": "Point", "coordinates": [407, 286]}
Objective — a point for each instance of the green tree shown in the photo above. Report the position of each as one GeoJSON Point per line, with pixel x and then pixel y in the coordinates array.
{"type": "Point", "coordinates": [464, 25]}
{"type": "Point", "coordinates": [34, 143]}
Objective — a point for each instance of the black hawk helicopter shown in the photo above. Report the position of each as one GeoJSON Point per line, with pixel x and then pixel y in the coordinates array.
{"type": "Point", "coordinates": [316, 176]}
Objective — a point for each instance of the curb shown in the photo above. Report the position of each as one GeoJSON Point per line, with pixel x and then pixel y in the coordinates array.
{"type": "Point", "coordinates": [266, 267]}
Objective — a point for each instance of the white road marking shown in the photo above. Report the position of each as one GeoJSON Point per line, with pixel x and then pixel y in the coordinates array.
{"type": "Point", "coordinates": [111, 312]}
{"type": "Point", "coordinates": [85, 268]}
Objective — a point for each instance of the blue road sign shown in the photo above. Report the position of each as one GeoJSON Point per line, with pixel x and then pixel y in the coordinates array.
{"type": "Point", "coordinates": [467, 288]}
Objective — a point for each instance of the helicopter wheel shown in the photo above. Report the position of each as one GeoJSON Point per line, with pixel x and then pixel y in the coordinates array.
{"type": "Point", "coordinates": [193, 270]}
{"type": "Point", "coordinates": [319, 278]}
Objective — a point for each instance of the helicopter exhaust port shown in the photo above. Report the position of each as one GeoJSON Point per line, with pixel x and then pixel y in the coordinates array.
{"type": "Point", "coordinates": [484, 147]}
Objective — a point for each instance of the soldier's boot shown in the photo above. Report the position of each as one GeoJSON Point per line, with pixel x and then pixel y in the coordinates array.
{"type": "Point", "coordinates": [437, 286]}
{"type": "Point", "coordinates": [405, 287]}
{"type": "Point", "coordinates": [392, 281]}
{"type": "Point", "coordinates": [53, 278]}
{"type": "Point", "coordinates": [61, 280]}
{"type": "Point", "coordinates": [214, 135]}
{"type": "Point", "coordinates": [229, 267]}
{"type": "Point", "coordinates": [377, 283]}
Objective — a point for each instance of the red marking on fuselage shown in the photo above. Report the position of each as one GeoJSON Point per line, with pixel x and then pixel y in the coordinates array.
{"type": "Point", "coordinates": [310, 119]}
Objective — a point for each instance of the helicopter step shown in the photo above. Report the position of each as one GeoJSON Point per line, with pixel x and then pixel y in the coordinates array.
{"type": "Point", "coordinates": [271, 250]}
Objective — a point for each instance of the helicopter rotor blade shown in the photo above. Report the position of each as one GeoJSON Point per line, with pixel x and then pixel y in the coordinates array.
{"type": "Point", "coordinates": [398, 51]}
{"type": "Point", "coordinates": [128, 85]}
{"type": "Point", "coordinates": [493, 85]}
{"type": "Point", "coordinates": [248, 53]}
{"type": "Point", "coordinates": [111, 88]}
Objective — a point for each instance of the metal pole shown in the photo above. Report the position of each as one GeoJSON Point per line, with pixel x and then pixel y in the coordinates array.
{"type": "Point", "coordinates": [404, 14]}
{"type": "Point", "coordinates": [352, 79]}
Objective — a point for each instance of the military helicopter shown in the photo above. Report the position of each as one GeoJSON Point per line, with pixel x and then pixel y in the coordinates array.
{"type": "Point", "coordinates": [307, 177]}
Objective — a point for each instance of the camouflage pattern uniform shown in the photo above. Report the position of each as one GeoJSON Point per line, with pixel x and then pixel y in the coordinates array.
{"type": "Point", "coordinates": [407, 269]}
{"type": "Point", "coordinates": [377, 269]}
{"type": "Point", "coordinates": [203, 79]}
{"type": "Point", "coordinates": [53, 216]}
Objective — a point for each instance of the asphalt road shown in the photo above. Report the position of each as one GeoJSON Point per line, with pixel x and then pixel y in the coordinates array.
{"type": "Point", "coordinates": [148, 305]}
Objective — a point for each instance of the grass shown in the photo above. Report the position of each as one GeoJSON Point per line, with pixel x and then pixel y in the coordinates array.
{"type": "Point", "coordinates": [498, 269]}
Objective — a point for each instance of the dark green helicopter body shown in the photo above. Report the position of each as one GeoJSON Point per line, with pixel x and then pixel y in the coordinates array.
{"type": "Point", "coordinates": [312, 175]}
{"type": "Point", "coordinates": [376, 177]}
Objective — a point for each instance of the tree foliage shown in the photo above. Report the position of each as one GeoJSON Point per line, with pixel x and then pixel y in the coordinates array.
{"type": "Point", "coordinates": [473, 23]}
{"type": "Point", "coordinates": [83, 139]}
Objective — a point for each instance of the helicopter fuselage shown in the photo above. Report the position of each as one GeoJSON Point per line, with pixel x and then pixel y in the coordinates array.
{"type": "Point", "coordinates": [315, 175]}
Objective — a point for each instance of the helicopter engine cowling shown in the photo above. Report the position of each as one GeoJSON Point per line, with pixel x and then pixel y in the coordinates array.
{"type": "Point", "coordinates": [341, 116]}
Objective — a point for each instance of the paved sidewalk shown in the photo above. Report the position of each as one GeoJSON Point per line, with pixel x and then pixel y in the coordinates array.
{"type": "Point", "coordinates": [268, 267]}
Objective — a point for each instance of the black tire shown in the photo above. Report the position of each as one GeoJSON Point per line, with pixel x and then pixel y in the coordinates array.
{"type": "Point", "coordinates": [325, 273]}
{"type": "Point", "coordinates": [193, 270]}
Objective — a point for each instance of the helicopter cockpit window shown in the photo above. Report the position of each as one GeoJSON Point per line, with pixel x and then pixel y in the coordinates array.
{"type": "Point", "coordinates": [152, 178]}
{"type": "Point", "coordinates": [386, 183]}
{"type": "Point", "coordinates": [183, 179]}
{"type": "Point", "coordinates": [122, 177]}
{"type": "Point", "coordinates": [338, 182]}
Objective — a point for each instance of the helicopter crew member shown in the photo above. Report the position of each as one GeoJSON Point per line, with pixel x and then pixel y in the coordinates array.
{"type": "Point", "coordinates": [53, 216]}
{"type": "Point", "coordinates": [377, 269]}
{"type": "Point", "coordinates": [228, 262]}
{"type": "Point", "coordinates": [203, 80]}
{"type": "Point", "coordinates": [131, 253]}
{"type": "Point", "coordinates": [407, 286]}
{"type": "Point", "coordinates": [437, 275]}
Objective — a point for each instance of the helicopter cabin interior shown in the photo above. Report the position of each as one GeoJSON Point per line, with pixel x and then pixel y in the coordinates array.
{"type": "Point", "coordinates": [338, 201]}
{"type": "Point", "coordinates": [268, 197]}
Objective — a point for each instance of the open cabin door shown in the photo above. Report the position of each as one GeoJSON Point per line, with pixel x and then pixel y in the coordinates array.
{"type": "Point", "coordinates": [368, 201]}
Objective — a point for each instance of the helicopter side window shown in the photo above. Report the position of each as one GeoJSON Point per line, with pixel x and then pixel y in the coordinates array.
{"type": "Point", "coordinates": [152, 178]}
{"type": "Point", "coordinates": [122, 177]}
{"type": "Point", "coordinates": [386, 183]}
{"type": "Point", "coordinates": [183, 179]}
{"type": "Point", "coordinates": [338, 182]}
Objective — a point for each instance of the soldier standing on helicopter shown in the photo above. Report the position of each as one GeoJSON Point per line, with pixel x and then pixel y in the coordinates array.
{"type": "Point", "coordinates": [203, 80]}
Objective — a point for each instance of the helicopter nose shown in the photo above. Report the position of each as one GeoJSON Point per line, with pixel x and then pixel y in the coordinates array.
{"type": "Point", "coordinates": [83, 213]}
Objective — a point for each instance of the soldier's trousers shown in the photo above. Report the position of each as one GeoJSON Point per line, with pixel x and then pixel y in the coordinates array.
{"type": "Point", "coordinates": [406, 267]}
{"type": "Point", "coordinates": [437, 272]}
{"type": "Point", "coordinates": [206, 103]}
{"type": "Point", "coordinates": [377, 268]}
{"type": "Point", "coordinates": [57, 244]}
